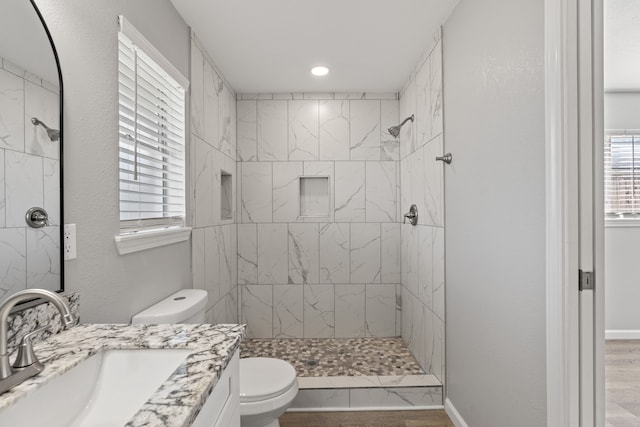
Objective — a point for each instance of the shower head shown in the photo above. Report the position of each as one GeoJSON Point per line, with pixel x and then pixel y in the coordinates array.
{"type": "Point", "coordinates": [395, 130]}
{"type": "Point", "coordinates": [53, 134]}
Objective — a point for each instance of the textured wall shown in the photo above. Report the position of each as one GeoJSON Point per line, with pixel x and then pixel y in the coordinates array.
{"type": "Point", "coordinates": [330, 276]}
{"type": "Point", "coordinates": [422, 184]}
{"type": "Point", "coordinates": [112, 287]}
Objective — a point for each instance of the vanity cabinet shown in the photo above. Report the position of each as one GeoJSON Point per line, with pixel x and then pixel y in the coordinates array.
{"type": "Point", "coordinates": [222, 408]}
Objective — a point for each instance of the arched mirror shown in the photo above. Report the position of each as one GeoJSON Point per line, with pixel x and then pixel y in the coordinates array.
{"type": "Point", "coordinates": [30, 152]}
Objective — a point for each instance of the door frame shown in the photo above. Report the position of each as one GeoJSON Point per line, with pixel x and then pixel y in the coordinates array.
{"type": "Point", "coordinates": [568, 112]}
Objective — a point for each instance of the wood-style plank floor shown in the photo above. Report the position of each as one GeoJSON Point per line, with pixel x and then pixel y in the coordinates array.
{"type": "Point", "coordinates": [622, 384]}
{"type": "Point", "coordinates": [432, 418]}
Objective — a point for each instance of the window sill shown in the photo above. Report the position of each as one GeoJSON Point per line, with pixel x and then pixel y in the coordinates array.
{"type": "Point", "coordinates": [142, 240]}
{"type": "Point", "coordinates": [622, 222]}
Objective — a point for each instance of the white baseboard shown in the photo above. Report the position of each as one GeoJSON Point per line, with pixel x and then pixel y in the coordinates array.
{"type": "Point", "coordinates": [622, 334]}
{"type": "Point", "coordinates": [455, 416]}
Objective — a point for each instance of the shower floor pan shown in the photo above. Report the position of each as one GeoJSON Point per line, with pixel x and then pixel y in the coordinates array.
{"type": "Point", "coordinates": [352, 373]}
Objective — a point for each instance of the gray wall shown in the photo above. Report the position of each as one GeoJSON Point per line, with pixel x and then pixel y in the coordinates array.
{"type": "Point", "coordinates": [494, 212]}
{"type": "Point", "coordinates": [111, 287]}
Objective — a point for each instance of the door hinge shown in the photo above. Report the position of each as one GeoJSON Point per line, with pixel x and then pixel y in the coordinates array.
{"type": "Point", "coordinates": [586, 281]}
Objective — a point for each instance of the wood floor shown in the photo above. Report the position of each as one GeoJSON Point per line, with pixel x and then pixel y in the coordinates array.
{"type": "Point", "coordinates": [622, 385]}
{"type": "Point", "coordinates": [434, 418]}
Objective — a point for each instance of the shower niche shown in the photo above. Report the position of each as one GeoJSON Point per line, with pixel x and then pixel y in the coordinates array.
{"type": "Point", "coordinates": [226, 195]}
{"type": "Point", "coordinates": [314, 197]}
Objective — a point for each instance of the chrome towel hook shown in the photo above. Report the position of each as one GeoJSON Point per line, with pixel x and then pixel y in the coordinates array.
{"type": "Point", "coordinates": [447, 158]}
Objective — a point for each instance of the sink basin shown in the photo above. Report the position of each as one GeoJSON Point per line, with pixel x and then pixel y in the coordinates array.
{"type": "Point", "coordinates": [106, 389]}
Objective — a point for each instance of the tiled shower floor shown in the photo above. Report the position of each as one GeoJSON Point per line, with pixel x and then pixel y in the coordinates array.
{"type": "Point", "coordinates": [329, 357]}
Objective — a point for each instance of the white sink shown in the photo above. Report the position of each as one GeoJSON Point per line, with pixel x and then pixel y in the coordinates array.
{"type": "Point", "coordinates": [107, 389]}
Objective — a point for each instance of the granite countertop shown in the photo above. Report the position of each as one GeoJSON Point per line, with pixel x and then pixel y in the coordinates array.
{"type": "Point", "coordinates": [177, 402]}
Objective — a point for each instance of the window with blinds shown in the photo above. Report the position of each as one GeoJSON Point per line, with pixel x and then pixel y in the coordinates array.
{"type": "Point", "coordinates": [151, 134]}
{"type": "Point", "coordinates": [622, 174]}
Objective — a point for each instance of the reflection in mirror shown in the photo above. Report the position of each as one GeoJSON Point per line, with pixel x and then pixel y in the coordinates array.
{"type": "Point", "coordinates": [30, 147]}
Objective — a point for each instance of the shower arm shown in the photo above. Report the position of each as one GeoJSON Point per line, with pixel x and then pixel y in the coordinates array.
{"type": "Point", "coordinates": [406, 120]}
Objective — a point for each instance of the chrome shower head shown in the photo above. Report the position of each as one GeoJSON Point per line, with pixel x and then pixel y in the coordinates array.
{"type": "Point", "coordinates": [395, 130]}
{"type": "Point", "coordinates": [53, 134]}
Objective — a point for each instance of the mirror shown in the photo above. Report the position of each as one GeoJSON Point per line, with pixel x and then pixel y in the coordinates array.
{"type": "Point", "coordinates": [30, 152]}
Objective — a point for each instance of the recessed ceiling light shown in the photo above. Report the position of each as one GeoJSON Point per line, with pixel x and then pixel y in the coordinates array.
{"type": "Point", "coordinates": [320, 70]}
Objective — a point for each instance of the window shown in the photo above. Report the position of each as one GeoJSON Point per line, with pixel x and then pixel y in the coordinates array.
{"type": "Point", "coordinates": [151, 135]}
{"type": "Point", "coordinates": [622, 174]}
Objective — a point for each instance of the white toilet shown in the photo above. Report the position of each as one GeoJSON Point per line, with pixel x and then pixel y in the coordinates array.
{"type": "Point", "coordinates": [267, 386]}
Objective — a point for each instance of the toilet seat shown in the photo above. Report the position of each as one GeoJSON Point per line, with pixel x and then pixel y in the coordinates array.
{"type": "Point", "coordinates": [264, 378]}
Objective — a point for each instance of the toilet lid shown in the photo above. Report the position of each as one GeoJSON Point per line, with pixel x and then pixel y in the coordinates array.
{"type": "Point", "coordinates": [262, 378]}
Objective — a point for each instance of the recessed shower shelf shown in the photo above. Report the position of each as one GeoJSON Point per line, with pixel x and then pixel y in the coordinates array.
{"type": "Point", "coordinates": [314, 196]}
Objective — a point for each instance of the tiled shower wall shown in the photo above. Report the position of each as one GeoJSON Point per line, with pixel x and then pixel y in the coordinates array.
{"type": "Point", "coordinates": [331, 276]}
{"type": "Point", "coordinates": [212, 154]}
{"type": "Point", "coordinates": [422, 183]}
{"type": "Point", "coordinates": [29, 176]}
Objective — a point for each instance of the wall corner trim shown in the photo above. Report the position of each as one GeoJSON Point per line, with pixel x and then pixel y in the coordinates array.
{"type": "Point", "coordinates": [453, 413]}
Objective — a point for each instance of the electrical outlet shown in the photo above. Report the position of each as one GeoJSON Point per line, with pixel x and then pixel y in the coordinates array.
{"type": "Point", "coordinates": [70, 250]}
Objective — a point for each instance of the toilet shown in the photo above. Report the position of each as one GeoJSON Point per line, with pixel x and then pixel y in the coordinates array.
{"type": "Point", "coordinates": [267, 385]}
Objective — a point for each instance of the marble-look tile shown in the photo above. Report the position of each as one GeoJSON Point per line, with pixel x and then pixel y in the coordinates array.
{"type": "Point", "coordinates": [436, 109]}
{"type": "Point", "coordinates": [426, 380]}
{"type": "Point", "coordinates": [350, 311]}
{"type": "Point", "coordinates": [422, 335]}
{"type": "Point", "coordinates": [247, 254]}
{"type": "Point", "coordinates": [325, 399]}
{"type": "Point", "coordinates": [304, 257]}
{"type": "Point", "coordinates": [350, 192]}
{"type": "Point", "coordinates": [364, 141]}
{"type": "Point", "coordinates": [212, 265]}
{"type": "Point", "coordinates": [228, 257]}
{"type": "Point", "coordinates": [203, 173]}
{"type": "Point", "coordinates": [285, 191]}
{"type": "Point", "coordinates": [425, 265]}
{"type": "Point", "coordinates": [256, 310]}
{"type": "Point", "coordinates": [11, 111]}
{"type": "Point", "coordinates": [225, 104]}
{"type": "Point", "coordinates": [438, 358]}
{"type": "Point", "coordinates": [247, 127]}
{"type": "Point", "coordinates": [398, 310]}
{"type": "Point", "coordinates": [407, 108]}
{"type": "Point", "coordinates": [227, 189]}
{"type": "Point", "coordinates": [381, 191]}
{"type": "Point", "coordinates": [390, 116]}
{"type": "Point", "coordinates": [416, 397]}
{"type": "Point", "coordinates": [287, 311]}
{"type": "Point", "coordinates": [319, 311]}
{"type": "Point", "coordinates": [256, 193]}
{"type": "Point", "coordinates": [337, 382]}
{"type": "Point", "coordinates": [272, 130]}
{"type": "Point", "coordinates": [334, 130]}
{"type": "Point", "coordinates": [321, 169]}
{"type": "Point", "coordinates": [365, 253]}
{"type": "Point", "coordinates": [211, 105]}
{"type": "Point", "coordinates": [2, 195]}
{"type": "Point", "coordinates": [423, 104]}
{"type": "Point", "coordinates": [273, 253]}
{"type": "Point", "coordinates": [43, 258]}
{"type": "Point", "coordinates": [23, 185]}
{"type": "Point", "coordinates": [197, 90]}
{"type": "Point", "coordinates": [407, 317]}
{"type": "Point", "coordinates": [198, 258]}
{"type": "Point", "coordinates": [380, 315]}
{"type": "Point", "coordinates": [410, 253]}
{"type": "Point", "coordinates": [13, 261]}
{"type": "Point", "coordinates": [390, 247]}
{"type": "Point", "coordinates": [51, 177]}
{"type": "Point", "coordinates": [303, 130]}
{"type": "Point", "coordinates": [45, 105]}
{"type": "Point", "coordinates": [225, 311]}
{"type": "Point", "coordinates": [334, 253]}
{"type": "Point", "coordinates": [438, 272]}
{"type": "Point", "coordinates": [432, 188]}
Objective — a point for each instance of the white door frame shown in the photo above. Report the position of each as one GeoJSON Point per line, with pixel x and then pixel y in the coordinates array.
{"type": "Point", "coordinates": [570, 110]}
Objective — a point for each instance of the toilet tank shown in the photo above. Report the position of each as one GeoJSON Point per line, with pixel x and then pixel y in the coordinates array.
{"type": "Point", "coordinates": [185, 306]}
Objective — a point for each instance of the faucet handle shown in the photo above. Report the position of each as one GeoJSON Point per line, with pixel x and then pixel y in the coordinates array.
{"type": "Point", "coordinates": [26, 356]}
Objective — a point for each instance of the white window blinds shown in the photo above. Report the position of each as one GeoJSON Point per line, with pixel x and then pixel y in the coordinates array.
{"type": "Point", "coordinates": [151, 134]}
{"type": "Point", "coordinates": [622, 174]}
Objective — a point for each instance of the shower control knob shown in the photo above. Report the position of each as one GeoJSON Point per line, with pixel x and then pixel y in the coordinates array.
{"type": "Point", "coordinates": [37, 217]}
{"type": "Point", "coordinates": [447, 158]}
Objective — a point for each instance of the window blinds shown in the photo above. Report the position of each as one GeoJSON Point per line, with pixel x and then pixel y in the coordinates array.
{"type": "Point", "coordinates": [622, 174]}
{"type": "Point", "coordinates": [151, 138]}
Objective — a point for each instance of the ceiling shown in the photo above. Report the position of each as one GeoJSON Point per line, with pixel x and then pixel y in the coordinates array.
{"type": "Point", "coordinates": [622, 45]}
{"type": "Point", "coordinates": [271, 45]}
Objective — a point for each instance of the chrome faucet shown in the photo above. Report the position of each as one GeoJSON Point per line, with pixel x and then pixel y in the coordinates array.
{"type": "Point", "coordinates": [26, 364]}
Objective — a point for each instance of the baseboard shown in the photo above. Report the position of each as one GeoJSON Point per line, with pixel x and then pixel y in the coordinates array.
{"type": "Point", "coordinates": [622, 334]}
{"type": "Point", "coordinates": [455, 416]}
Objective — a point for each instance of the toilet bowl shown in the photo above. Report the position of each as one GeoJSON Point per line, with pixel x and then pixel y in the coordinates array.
{"type": "Point", "coordinates": [267, 385]}
{"type": "Point", "coordinates": [267, 388]}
